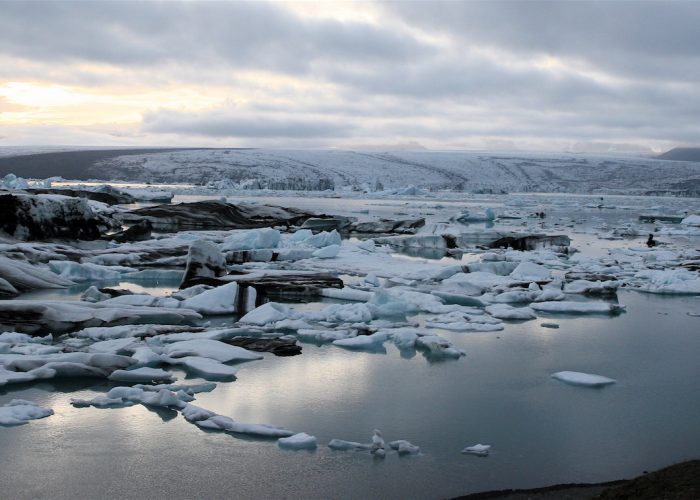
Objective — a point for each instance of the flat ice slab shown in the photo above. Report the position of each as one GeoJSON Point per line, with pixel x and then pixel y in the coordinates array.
{"type": "Point", "coordinates": [480, 450]}
{"type": "Point", "coordinates": [19, 412]}
{"type": "Point", "coordinates": [583, 379]}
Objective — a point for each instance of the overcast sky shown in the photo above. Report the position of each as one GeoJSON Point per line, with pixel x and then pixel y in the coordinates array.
{"type": "Point", "coordinates": [590, 76]}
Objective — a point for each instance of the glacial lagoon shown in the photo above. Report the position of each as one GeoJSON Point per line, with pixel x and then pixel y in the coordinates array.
{"type": "Point", "coordinates": [501, 393]}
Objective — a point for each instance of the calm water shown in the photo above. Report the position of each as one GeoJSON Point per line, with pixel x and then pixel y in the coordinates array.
{"type": "Point", "coordinates": [542, 431]}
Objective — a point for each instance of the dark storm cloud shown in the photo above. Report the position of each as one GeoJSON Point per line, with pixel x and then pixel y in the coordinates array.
{"type": "Point", "coordinates": [239, 34]}
{"type": "Point", "coordinates": [653, 39]}
{"type": "Point", "coordinates": [231, 123]}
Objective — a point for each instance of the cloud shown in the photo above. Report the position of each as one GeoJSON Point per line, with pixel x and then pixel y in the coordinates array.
{"type": "Point", "coordinates": [509, 74]}
{"type": "Point", "coordinates": [7, 106]}
{"type": "Point", "coordinates": [231, 123]}
{"type": "Point", "coordinates": [234, 34]}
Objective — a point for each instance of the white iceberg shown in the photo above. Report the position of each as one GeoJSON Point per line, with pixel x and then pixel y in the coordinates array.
{"type": "Point", "coordinates": [480, 450]}
{"type": "Point", "coordinates": [300, 441]}
{"type": "Point", "coordinates": [19, 412]}
{"type": "Point", "coordinates": [250, 239]}
{"type": "Point", "coordinates": [583, 379]}
{"type": "Point", "coordinates": [143, 374]}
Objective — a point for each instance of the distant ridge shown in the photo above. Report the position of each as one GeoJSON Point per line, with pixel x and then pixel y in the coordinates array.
{"type": "Point", "coordinates": [681, 154]}
{"type": "Point", "coordinates": [74, 165]}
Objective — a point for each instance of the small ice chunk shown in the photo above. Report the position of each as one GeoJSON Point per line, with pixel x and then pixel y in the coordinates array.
{"type": "Point", "coordinates": [20, 411]}
{"type": "Point", "coordinates": [529, 271]}
{"type": "Point", "coordinates": [373, 341]}
{"type": "Point", "coordinates": [208, 368]}
{"type": "Point", "coordinates": [143, 374]}
{"type": "Point", "coordinates": [480, 450]}
{"type": "Point", "coordinates": [404, 447]}
{"type": "Point", "coordinates": [504, 311]}
{"type": "Point", "coordinates": [378, 445]}
{"type": "Point", "coordinates": [583, 379]}
{"type": "Point", "coordinates": [300, 441]}
{"type": "Point", "coordinates": [547, 324]}
{"type": "Point", "coordinates": [251, 239]}
{"type": "Point", "coordinates": [266, 313]}
{"type": "Point", "coordinates": [219, 300]}
{"type": "Point", "coordinates": [372, 280]}
{"type": "Point", "coordinates": [328, 252]}
{"type": "Point", "coordinates": [212, 349]}
{"type": "Point", "coordinates": [342, 445]}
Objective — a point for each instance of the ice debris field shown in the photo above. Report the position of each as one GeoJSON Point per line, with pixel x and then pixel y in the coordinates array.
{"type": "Point", "coordinates": [139, 295]}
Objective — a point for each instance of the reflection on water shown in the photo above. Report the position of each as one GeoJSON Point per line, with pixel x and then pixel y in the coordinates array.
{"type": "Point", "coordinates": [542, 431]}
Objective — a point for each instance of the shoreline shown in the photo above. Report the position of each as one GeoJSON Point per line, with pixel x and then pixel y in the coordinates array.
{"type": "Point", "coordinates": [680, 481]}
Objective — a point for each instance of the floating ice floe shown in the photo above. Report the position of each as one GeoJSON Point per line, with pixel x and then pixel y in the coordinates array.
{"type": "Point", "coordinates": [578, 307]}
{"type": "Point", "coordinates": [363, 342]}
{"type": "Point", "coordinates": [438, 347]}
{"type": "Point", "coordinates": [266, 313]}
{"type": "Point", "coordinates": [211, 421]}
{"type": "Point", "coordinates": [668, 281]}
{"type": "Point", "coordinates": [143, 374]}
{"type": "Point", "coordinates": [22, 277]}
{"type": "Point", "coordinates": [328, 252]}
{"type": "Point", "coordinates": [480, 450]}
{"type": "Point", "coordinates": [77, 272]}
{"type": "Point", "coordinates": [20, 411]}
{"type": "Point", "coordinates": [504, 311]}
{"type": "Point", "coordinates": [211, 349]}
{"type": "Point", "coordinates": [583, 379]}
{"type": "Point", "coordinates": [60, 316]}
{"type": "Point", "coordinates": [691, 220]}
{"type": "Point", "coordinates": [342, 445]}
{"type": "Point", "coordinates": [404, 447]}
{"type": "Point", "coordinates": [251, 239]}
{"type": "Point", "coordinates": [529, 271]}
{"type": "Point", "coordinates": [205, 367]}
{"type": "Point", "coordinates": [378, 446]}
{"type": "Point", "coordinates": [204, 260]}
{"type": "Point", "coordinates": [300, 441]}
{"type": "Point", "coordinates": [220, 300]}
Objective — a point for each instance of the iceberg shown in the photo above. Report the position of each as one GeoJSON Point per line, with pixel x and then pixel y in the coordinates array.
{"type": "Point", "coordinates": [251, 239]}
{"type": "Point", "coordinates": [504, 311]}
{"type": "Point", "coordinates": [583, 379]}
{"type": "Point", "coordinates": [212, 349]}
{"type": "Point", "coordinates": [300, 441]}
{"type": "Point", "coordinates": [480, 450]}
{"type": "Point", "coordinates": [220, 300]}
{"type": "Point", "coordinates": [143, 374]}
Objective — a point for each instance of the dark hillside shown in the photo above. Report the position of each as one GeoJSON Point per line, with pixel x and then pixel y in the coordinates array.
{"type": "Point", "coordinates": [681, 154]}
{"type": "Point", "coordinates": [68, 164]}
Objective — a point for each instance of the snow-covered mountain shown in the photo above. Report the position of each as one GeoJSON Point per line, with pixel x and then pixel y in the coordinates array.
{"type": "Point", "coordinates": [468, 171]}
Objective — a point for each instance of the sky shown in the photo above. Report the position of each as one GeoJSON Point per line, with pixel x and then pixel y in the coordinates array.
{"type": "Point", "coordinates": [528, 75]}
